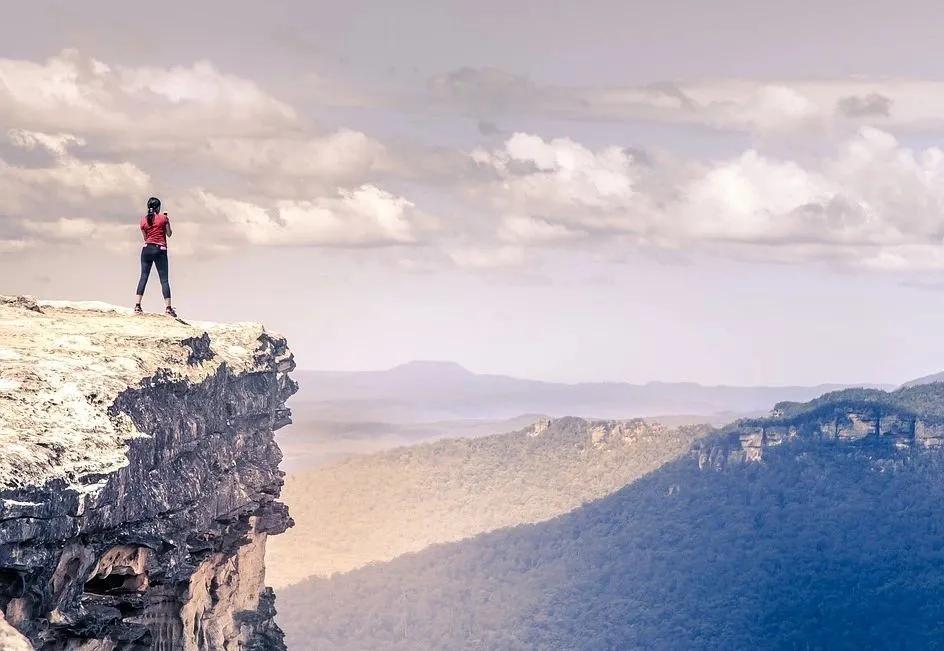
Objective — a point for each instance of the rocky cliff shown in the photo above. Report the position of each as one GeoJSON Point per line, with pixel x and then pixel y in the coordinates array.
{"type": "Point", "coordinates": [138, 478]}
{"type": "Point", "coordinates": [909, 418]}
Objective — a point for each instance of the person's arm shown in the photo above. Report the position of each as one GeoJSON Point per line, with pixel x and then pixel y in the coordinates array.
{"type": "Point", "coordinates": [167, 229]}
{"type": "Point", "coordinates": [143, 231]}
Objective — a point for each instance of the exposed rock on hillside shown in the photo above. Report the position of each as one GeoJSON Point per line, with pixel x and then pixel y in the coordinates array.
{"type": "Point", "coordinates": [138, 478]}
{"type": "Point", "coordinates": [911, 417]}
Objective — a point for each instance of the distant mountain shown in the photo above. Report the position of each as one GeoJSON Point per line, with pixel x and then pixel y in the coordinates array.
{"type": "Point", "coordinates": [927, 379]}
{"type": "Point", "coordinates": [423, 391]}
{"type": "Point", "coordinates": [377, 507]}
{"type": "Point", "coordinates": [819, 528]}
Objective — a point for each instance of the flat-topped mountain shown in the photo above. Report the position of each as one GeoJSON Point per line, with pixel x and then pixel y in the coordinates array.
{"type": "Point", "coordinates": [817, 528]}
{"type": "Point", "coordinates": [374, 508]}
{"type": "Point", "coordinates": [138, 478]}
{"type": "Point", "coordinates": [427, 391]}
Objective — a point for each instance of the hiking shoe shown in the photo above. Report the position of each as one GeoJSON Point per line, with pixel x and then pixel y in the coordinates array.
{"type": "Point", "coordinates": [170, 312]}
{"type": "Point", "coordinates": [137, 309]}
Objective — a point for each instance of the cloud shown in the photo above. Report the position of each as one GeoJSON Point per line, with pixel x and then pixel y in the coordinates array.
{"type": "Point", "coordinates": [524, 229]}
{"type": "Point", "coordinates": [745, 105]}
{"type": "Point", "coordinates": [295, 165]}
{"type": "Point", "coordinates": [863, 106]}
{"type": "Point", "coordinates": [15, 245]}
{"type": "Point", "coordinates": [361, 217]}
{"type": "Point", "coordinates": [483, 90]}
{"type": "Point", "coordinates": [55, 143]}
{"type": "Point", "coordinates": [561, 171]}
{"type": "Point", "coordinates": [487, 258]}
{"type": "Point", "coordinates": [75, 125]}
{"type": "Point", "coordinates": [79, 94]}
{"type": "Point", "coordinates": [873, 204]}
{"type": "Point", "coordinates": [88, 141]}
{"type": "Point", "coordinates": [71, 230]}
{"type": "Point", "coordinates": [65, 184]}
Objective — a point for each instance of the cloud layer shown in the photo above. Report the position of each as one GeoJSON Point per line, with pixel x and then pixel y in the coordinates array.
{"type": "Point", "coordinates": [87, 141]}
{"type": "Point", "coordinates": [872, 203]}
{"type": "Point", "coordinates": [754, 106]}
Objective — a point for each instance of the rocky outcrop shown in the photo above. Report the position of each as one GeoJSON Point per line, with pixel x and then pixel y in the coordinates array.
{"type": "Point", "coordinates": [138, 478]}
{"type": "Point", "coordinates": [883, 419]}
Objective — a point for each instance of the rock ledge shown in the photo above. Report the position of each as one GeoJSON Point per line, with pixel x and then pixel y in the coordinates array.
{"type": "Point", "coordinates": [138, 478]}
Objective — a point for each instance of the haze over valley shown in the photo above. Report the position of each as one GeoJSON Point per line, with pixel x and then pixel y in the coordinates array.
{"type": "Point", "coordinates": [339, 413]}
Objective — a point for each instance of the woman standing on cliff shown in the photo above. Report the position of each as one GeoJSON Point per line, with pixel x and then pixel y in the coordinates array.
{"type": "Point", "coordinates": [155, 226]}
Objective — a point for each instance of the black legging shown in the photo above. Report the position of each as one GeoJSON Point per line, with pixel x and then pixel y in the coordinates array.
{"type": "Point", "coordinates": [153, 254]}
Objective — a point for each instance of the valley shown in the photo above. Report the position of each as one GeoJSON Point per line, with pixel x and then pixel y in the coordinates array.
{"type": "Point", "coordinates": [830, 537]}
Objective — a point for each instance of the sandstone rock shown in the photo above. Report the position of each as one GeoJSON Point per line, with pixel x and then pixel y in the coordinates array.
{"type": "Point", "coordinates": [748, 440]}
{"type": "Point", "coordinates": [828, 429]}
{"type": "Point", "coordinates": [752, 442]}
{"type": "Point", "coordinates": [138, 478]}
{"type": "Point", "coordinates": [929, 435]}
{"type": "Point", "coordinates": [777, 434]}
{"type": "Point", "coordinates": [855, 426]}
{"type": "Point", "coordinates": [900, 428]}
{"type": "Point", "coordinates": [11, 639]}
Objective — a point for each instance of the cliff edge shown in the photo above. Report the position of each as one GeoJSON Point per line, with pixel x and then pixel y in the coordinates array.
{"type": "Point", "coordinates": [909, 418]}
{"type": "Point", "coordinates": [138, 478]}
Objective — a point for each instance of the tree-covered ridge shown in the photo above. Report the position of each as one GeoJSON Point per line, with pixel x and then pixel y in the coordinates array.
{"type": "Point", "coordinates": [924, 401]}
{"type": "Point", "coordinates": [376, 507]}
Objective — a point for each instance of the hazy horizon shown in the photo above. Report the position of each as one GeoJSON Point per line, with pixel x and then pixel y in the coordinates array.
{"type": "Point", "coordinates": [463, 367]}
{"type": "Point", "coordinates": [569, 192]}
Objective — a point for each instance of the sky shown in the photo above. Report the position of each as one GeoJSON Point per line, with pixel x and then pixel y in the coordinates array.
{"type": "Point", "coordinates": [727, 192]}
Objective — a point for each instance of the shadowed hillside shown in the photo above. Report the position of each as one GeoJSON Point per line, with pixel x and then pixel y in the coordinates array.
{"type": "Point", "coordinates": [833, 537]}
{"type": "Point", "coordinates": [374, 508]}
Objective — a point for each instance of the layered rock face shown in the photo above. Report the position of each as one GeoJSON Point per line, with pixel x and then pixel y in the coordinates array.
{"type": "Point", "coordinates": [138, 478]}
{"type": "Point", "coordinates": [882, 421]}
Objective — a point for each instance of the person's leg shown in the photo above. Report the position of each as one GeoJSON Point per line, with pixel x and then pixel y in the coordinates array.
{"type": "Point", "coordinates": [146, 261]}
{"type": "Point", "coordinates": [163, 272]}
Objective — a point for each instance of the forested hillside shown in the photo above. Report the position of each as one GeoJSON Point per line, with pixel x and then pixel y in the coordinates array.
{"type": "Point", "coordinates": [823, 543]}
{"type": "Point", "coordinates": [376, 507]}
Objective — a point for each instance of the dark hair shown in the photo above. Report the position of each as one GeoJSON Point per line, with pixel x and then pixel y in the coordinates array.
{"type": "Point", "coordinates": [154, 206]}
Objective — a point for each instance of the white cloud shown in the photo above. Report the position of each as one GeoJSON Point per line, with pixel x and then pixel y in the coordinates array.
{"type": "Point", "coordinates": [483, 257]}
{"type": "Point", "coordinates": [194, 121]}
{"type": "Point", "coordinates": [758, 106]}
{"type": "Point", "coordinates": [525, 229]}
{"type": "Point", "coordinates": [365, 216]}
{"type": "Point", "coordinates": [874, 203]}
{"type": "Point", "coordinates": [16, 245]}
{"type": "Point", "coordinates": [84, 131]}
{"type": "Point", "coordinates": [55, 143]}
{"type": "Point", "coordinates": [104, 234]}
{"type": "Point", "coordinates": [559, 181]}
{"type": "Point", "coordinates": [143, 105]}
{"type": "Point", "coordinates": [292, 164]}
{"type": "Point", "coordinates": [66, 183]}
